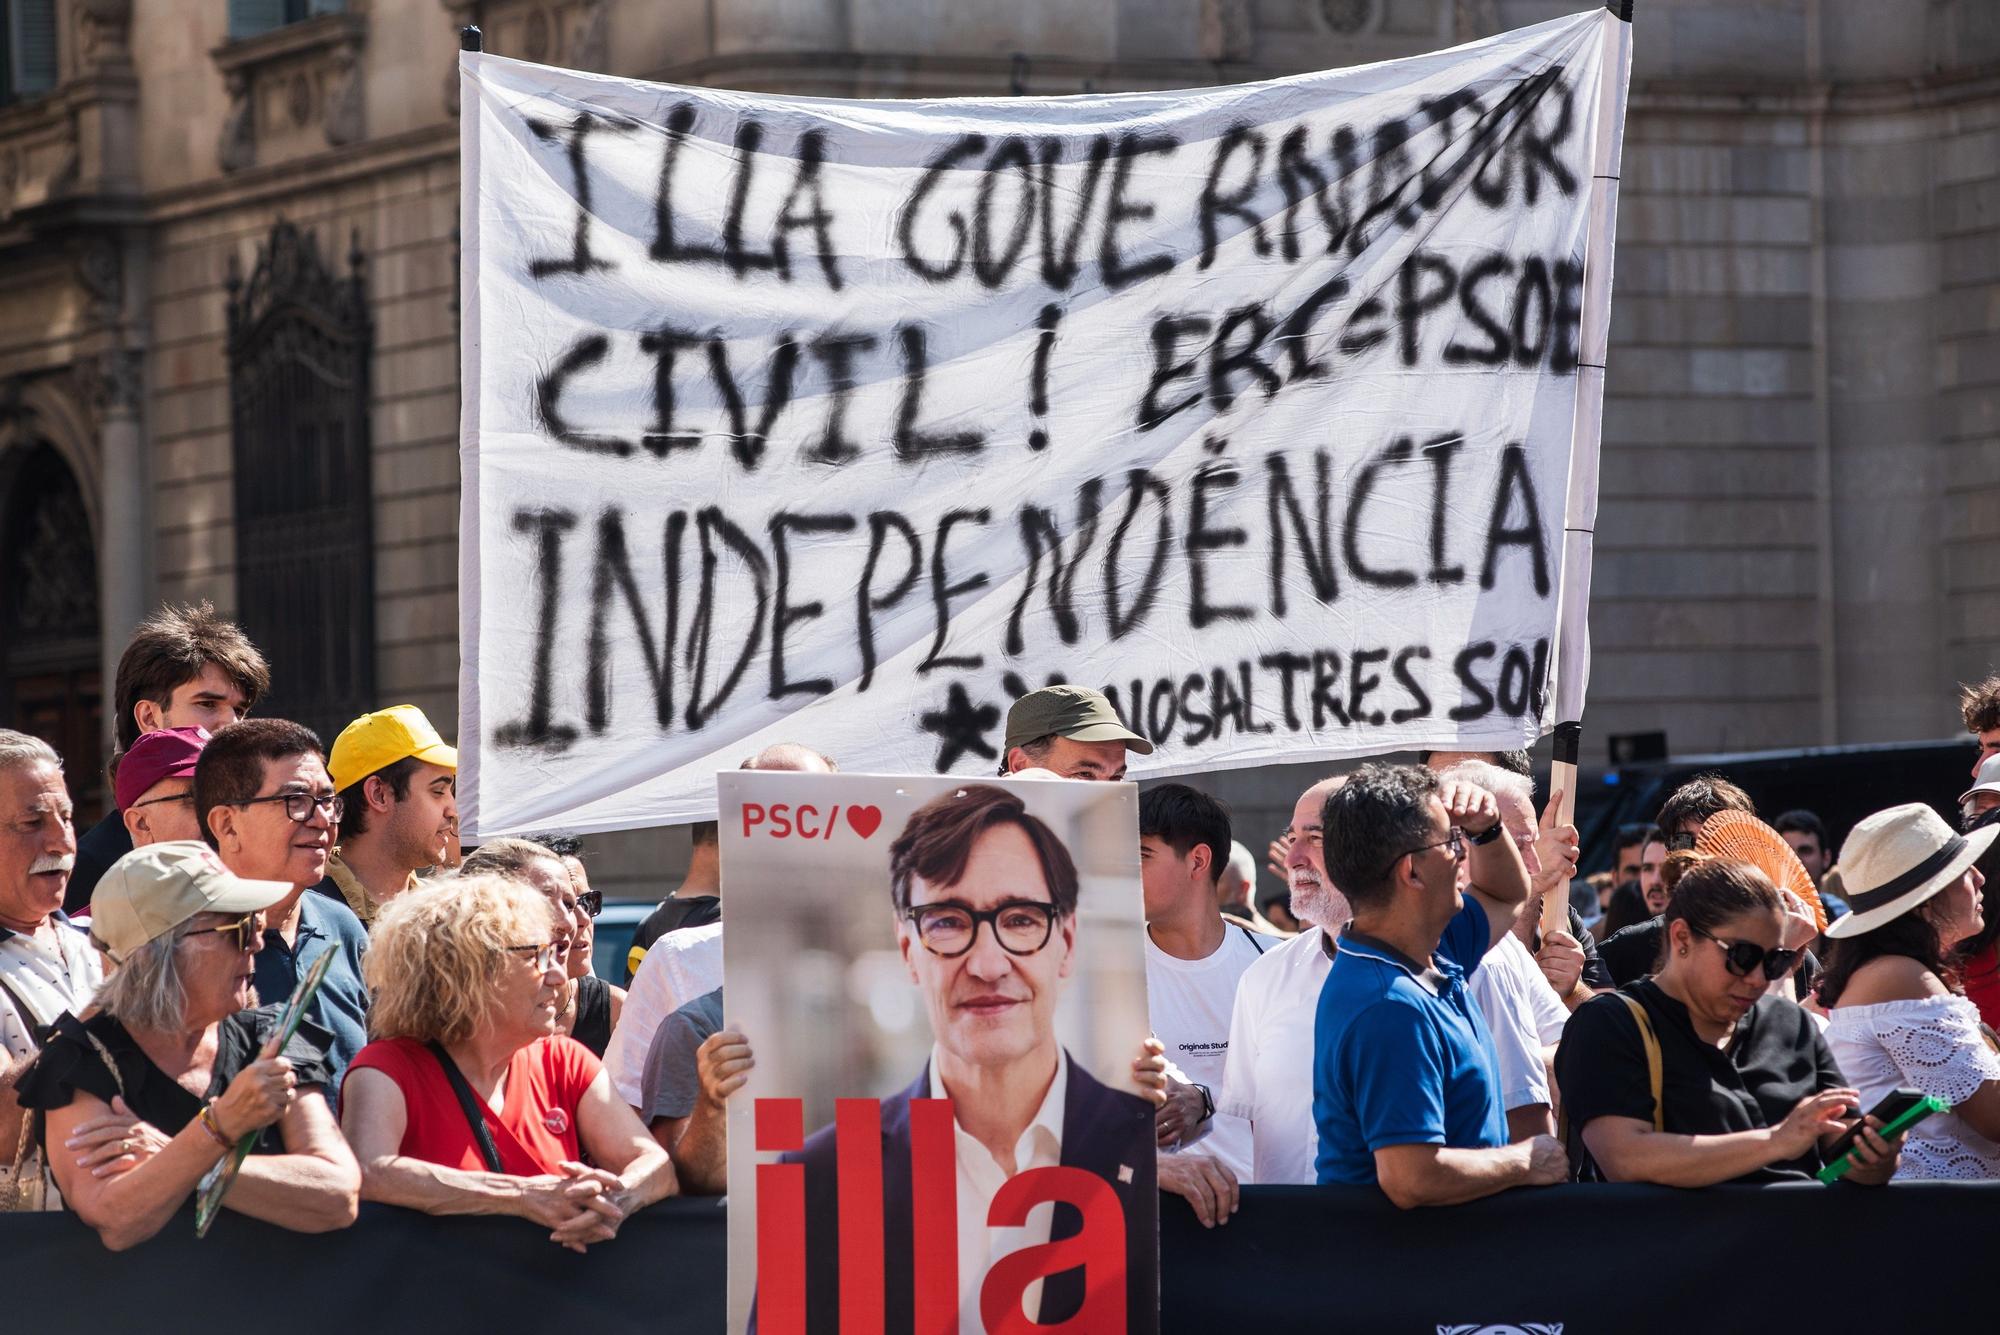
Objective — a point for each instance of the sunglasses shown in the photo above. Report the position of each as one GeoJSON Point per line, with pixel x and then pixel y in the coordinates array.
{"type": "Point", "coordinates": [248, 930]}
{"type": "Point", "coordinates": [1740, 957]}
{"type": "Point", "coordinates": [1681, 842]}
{"type": "Point", "coordinates": [591, 902]}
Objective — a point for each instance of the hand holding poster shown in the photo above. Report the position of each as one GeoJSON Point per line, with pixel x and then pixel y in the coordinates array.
{"type": "Point", "coordinates": [946, 979]}
{"type": "Point", "coordinates": [846, 422]}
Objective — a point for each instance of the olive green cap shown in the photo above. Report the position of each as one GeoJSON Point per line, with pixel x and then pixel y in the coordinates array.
{"type": "Point", "coordinates": [1075, 712]}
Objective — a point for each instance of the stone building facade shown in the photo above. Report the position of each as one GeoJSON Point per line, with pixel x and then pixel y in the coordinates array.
{"type": "Point", "coordinates": [228, 264]}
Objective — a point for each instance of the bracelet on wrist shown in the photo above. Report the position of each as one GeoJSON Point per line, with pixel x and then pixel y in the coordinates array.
{"type": "Point", "coordinates": [1486, 836]}
{"type": "Point", "coordinates": [210, 1124]}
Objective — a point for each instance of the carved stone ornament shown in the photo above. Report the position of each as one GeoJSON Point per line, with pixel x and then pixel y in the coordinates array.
{"type": "Point", "coordinates": [1474, 19]}
{"type": "Point", "coordinates": [105, 27]}
{"type": "Point", "coordinates": [1225, 29]}
{"type": "Point", "coordinates": [1345, 18]}
{"type": "Point", "coordinates": [113, 381]}
{"type": "Point", "coordinates": [236, 147]}
{"type": "Point", "coordinates": [101, 274]}
{"type": "Point", "coordinates": [342, 111]}
{"type": "Point", "coordinates": [299, 72]}
{"type": "Point", "coordinates": [591, 46]}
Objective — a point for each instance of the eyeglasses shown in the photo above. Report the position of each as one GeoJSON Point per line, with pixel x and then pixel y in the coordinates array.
{"type": "Point", "coordinates": [1740, 957]}
{"type": "Point", "coordinates": [300, 806]}
{"type": "Point", "coordinates": [187, 797]}
{"type": "Point", "coordinates": [1454, 841]}
{"type": "Point", "coordinates": [248, 929]}
{"type": "Point", "coordinates": [1021, 926]}
{"type": "Point", "coordinates": [546, 956]}
{"type": "Point", "coordinates": [591, 902]}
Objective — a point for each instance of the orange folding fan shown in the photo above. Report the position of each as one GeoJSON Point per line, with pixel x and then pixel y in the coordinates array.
{"type": "Point", "coordinates": [1735, 834]}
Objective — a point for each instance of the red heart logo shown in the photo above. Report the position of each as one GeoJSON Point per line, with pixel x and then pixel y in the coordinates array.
{"type": "Point", "coordinates": [864, 820]}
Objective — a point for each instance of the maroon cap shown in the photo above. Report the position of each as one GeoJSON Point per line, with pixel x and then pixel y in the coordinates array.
{"type": "Point", "coordinates": [169, 753]}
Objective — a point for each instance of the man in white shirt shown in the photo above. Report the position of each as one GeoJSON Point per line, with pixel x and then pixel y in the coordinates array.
{"type": "Point", "coordinates": [1513, 993]}
{"type": "Point", "coordinates": [47, 966]}
{"type": "Point", "coordinates": [1194, 958]}
{"type": "Point", "coordinates": [1268, 1076]}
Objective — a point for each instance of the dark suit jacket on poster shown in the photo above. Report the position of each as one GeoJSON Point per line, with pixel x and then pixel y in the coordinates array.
{"type": "Point", "coordinates": [1103, 1130]}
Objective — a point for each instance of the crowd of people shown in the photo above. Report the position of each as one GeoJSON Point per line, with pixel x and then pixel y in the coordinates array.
{"type": "Point", "coordinates": [1431, 1001]}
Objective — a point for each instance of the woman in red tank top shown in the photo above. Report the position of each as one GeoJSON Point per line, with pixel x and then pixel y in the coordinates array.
{"type": "Point", "coordinates": [468, 1101]}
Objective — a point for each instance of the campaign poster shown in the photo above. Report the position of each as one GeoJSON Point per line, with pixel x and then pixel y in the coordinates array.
{"type": "Point", "coordinates": [943, 983]}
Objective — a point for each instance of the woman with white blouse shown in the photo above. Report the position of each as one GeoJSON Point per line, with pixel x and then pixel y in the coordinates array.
{"type": "Point", "coordinates": [1899, 1016]}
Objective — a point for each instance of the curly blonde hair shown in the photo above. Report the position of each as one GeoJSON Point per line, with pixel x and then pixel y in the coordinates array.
{"type": "Point", "coordinates": [436, 953]}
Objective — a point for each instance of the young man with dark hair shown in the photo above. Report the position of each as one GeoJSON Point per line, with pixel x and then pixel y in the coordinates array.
{"type": "Point", "coordinates": [1979, 706]}
{"type": "Point", "coordinates": [184, 667]}
{"type": "Point", "coordinates": [1683, 813]}
{"type": "Point", "coordinates": [1194, 959]}
{"type": "Point", "coordinates": [1405, 1088]}
{"type": "Point", "coordinates": [1806, 834]}
{"type": "Point", "coordinates": [398, 783]}
{"type": "Point", "coordinates": [267, 805]}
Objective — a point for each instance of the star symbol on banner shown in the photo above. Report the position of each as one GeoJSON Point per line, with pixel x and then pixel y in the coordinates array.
{"type": "Point", "coordinates": [962, 725]}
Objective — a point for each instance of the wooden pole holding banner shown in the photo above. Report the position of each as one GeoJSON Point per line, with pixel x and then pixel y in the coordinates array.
{"type": "Point", "coordinates": [1572, 657]}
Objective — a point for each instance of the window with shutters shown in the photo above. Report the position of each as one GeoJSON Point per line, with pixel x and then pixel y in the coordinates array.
{"type": "Point", "coordinates": [27, 49]}
{"type": "Point", "coordinates": [248, 18]}
{"type": "Point", "coordinates": [299, 345]}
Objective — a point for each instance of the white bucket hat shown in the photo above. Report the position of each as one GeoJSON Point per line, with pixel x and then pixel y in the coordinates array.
{"type": "Point", "coordinates": [1894, 860]}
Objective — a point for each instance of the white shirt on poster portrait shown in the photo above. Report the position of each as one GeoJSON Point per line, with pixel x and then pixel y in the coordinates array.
{"type": "Point", "coordinates": [980, 1178]}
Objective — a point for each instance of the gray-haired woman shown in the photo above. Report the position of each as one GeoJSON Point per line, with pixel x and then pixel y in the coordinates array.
{"type": "Point", "coordinates": [143, 1098]}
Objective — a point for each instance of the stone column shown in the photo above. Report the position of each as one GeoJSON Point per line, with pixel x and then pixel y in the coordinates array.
{"type": "Point", "coordinates": [124, 508]}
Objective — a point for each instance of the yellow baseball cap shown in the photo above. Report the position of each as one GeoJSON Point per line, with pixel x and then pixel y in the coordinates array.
{"type": "Point", "coordinates": [154, 889]}
{"type": "Point", "coordinates": [378, 740]}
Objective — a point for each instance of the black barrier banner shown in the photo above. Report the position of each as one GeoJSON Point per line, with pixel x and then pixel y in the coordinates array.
{"type": "Point", "coordinates": [1592, 1260]}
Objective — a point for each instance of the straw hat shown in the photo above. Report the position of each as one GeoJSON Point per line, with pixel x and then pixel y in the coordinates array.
{"type": "Point", "coordinates": [1896, 859]}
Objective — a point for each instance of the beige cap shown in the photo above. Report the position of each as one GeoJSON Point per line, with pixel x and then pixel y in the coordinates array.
{"type": "Point", "coordinates": [152, 890]}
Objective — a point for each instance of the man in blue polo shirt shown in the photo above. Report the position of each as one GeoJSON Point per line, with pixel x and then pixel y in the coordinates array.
{"type": "Point", "coordinates": [1405, 1085]}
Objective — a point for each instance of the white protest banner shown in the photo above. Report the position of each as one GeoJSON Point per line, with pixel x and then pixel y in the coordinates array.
{"type": "Point", "coordinates": [845, 422]}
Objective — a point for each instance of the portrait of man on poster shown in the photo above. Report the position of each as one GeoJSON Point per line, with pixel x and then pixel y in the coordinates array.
{"type": "Point", "coordinates": [985, 899]}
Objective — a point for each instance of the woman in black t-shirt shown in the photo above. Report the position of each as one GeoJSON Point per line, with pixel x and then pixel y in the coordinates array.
{"type": "Point", "coordinates": [1747, 1089]}
{"type": "Point", "coordinates": [139, 1101]}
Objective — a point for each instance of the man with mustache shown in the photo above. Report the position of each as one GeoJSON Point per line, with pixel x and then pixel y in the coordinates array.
{"type": "Point", "coordinates": [1267, 1080]}
{"type": "Point", "coordinates": [398, 785]}
{"type": "Point", "coordinates": [46, 965]}
{"type": "Point", "coordinates": [267, 805]}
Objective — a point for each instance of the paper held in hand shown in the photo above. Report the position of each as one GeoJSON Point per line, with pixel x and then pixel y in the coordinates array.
{"type": "Point", "coordinates": [216, 1182]}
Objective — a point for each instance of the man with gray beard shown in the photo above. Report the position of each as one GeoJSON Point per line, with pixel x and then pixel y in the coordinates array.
{"type": "Point", "coordinates": [46, 964]}
{"type": "Point", "coordinates": [1268, 1077]}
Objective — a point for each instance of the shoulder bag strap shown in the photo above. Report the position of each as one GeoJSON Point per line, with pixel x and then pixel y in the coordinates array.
{"type": "Point", "coordinates": [1655, 1075]}
{"type": "Point", "coordinates": [1253, 937]}
{"type": "Point", "coordinates": [110, 1062]}
{"type": "Point", "coordinates": [468, 1103]}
